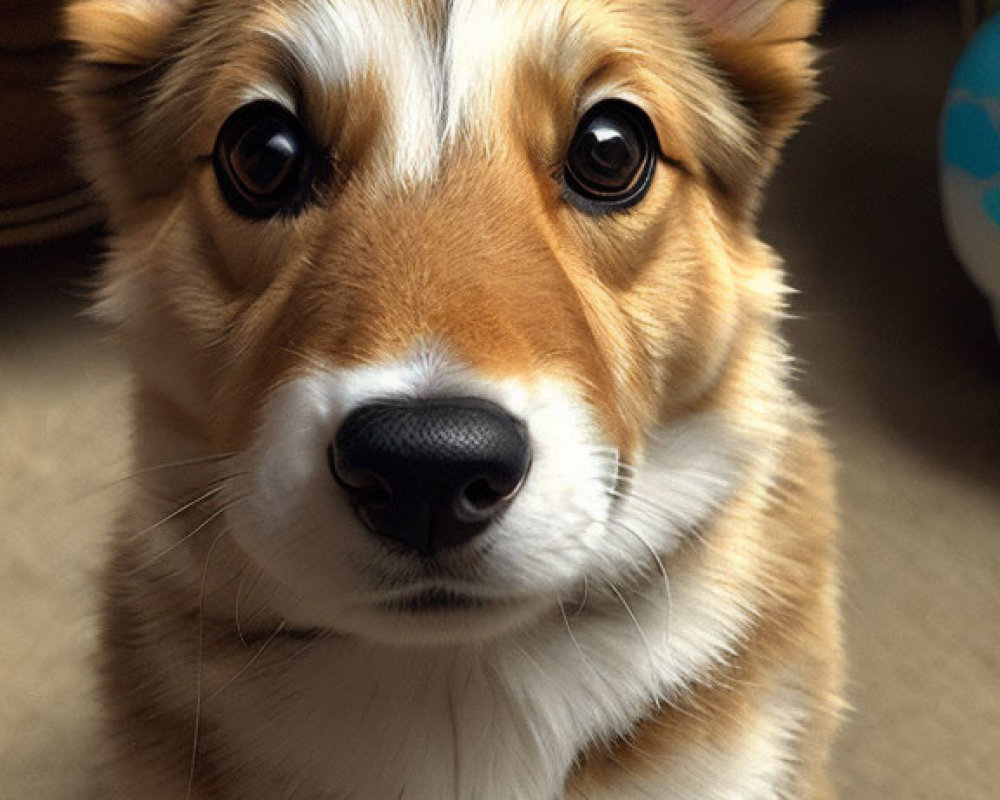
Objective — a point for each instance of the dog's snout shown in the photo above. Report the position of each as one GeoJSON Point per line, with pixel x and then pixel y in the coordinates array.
{"type": "Point", "coordinates": [430, 474]}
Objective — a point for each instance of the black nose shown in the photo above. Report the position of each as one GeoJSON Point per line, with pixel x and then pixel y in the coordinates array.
{"type": "Point", "coordinates": [430, 474]}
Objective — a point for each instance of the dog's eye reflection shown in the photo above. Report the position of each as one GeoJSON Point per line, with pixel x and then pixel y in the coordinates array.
{"type": "Point", "coordinates": [611, 159]}
{"type": "Point", "coordinates": [262, 161]}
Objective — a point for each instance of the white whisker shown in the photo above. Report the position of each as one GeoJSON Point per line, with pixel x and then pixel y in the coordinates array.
{"type": "Point", "coordinates": [174, 514]}
{"type": "Point", "coordinates": [663, 571]}
{"type": "Point", "coordinates": [256, 656]}
{"type": "Point", "coordinates": [638, 627]}
{"type": "Point", "coordinates": [236, 605]}
{"type": "Point", "coordinates": [187, 537]}
{"type": "Point", "coordinates": [142, 472]}
{"type": "Point", "coordinates": [583, 600]}
{"type": "Point", "coordinates": [576, 643]}
{"type": "Point", "coordinates": [199, 662]}
{"type": "Point", "coordinates": [188, 462]}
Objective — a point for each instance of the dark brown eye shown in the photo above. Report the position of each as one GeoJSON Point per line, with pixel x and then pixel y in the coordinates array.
{"type": "Point", "coordinates": [262, 161]}
{"type": "Point", "coordinates": [612, 158]}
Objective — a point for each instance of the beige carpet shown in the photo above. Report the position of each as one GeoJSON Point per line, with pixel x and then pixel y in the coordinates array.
{"type": "Point", "coordinates": [901, 359]}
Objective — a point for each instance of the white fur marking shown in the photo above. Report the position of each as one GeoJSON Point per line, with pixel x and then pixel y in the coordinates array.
{"type": "Point", "coordinates": [340, 43]}
{"type": "Point", "coordinates": [440, 85]}
{"type": "Point", "coordinates": [502, 708]}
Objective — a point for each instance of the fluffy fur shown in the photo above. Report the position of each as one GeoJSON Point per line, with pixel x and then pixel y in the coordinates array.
{"type": "Point", "coordinates": [655, 615]}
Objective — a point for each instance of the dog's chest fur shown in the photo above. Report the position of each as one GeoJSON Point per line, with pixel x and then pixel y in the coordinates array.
{"type": "Point", "coordinates": [507, 720]}
{"type": "Point", "coordinates": [338, 717]}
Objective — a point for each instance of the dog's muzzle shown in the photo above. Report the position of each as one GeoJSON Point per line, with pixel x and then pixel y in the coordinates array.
{"type": "Point", "coordinates": [430, 474]}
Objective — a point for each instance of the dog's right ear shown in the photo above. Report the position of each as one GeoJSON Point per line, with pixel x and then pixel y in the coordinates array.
{"type": "Point", "coordinates": [123, 33]}
{"type": "Point", "coordinates": [122, 47]}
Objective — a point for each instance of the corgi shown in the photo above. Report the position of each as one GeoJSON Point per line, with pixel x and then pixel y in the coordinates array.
{"type": "Point", "coordinates": [467, 463]}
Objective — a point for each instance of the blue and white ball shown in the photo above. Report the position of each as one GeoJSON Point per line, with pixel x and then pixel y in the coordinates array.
{"type": "Point", "coordinates": [970, 162]}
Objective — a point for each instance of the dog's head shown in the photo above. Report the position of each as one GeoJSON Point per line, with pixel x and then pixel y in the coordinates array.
{"type": "Point", "coordinates": [470, 287]}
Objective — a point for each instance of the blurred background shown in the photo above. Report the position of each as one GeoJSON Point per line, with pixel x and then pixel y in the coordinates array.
{"type": "Point", "coordinates": [897, 348]}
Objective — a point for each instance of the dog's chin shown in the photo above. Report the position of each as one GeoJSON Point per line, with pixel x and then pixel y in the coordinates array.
{"type": "Point", "coordinates": [438, 617]}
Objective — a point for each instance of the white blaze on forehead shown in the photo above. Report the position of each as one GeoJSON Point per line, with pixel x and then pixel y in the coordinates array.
{"type": "Point", "coordinates": [487, 39]}
{"type": "Point", "coordinates": [442, 74]}
{"type": "Point", "coordinates": [339, 43]}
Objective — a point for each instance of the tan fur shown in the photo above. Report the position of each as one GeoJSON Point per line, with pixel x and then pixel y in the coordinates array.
{"type": "Point", "coordinates": [654, 315]}
{"type": "Point", "coordinates": [786, 570]}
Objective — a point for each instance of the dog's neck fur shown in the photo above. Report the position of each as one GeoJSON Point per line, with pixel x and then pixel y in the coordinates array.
{"type": "Point", "coordinates": [506, 719]}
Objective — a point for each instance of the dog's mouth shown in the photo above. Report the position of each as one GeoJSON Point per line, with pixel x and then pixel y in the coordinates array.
{"type": "Point", "coordinates": [426, 602]}
{"type": "Point", "coordinates": [438, 600]}
{"type": "Point", "coordinates": [256, 638]}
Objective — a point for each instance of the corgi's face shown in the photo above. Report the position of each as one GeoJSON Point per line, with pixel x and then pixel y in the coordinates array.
{"type": "Point", "coordinates": [469, 288]}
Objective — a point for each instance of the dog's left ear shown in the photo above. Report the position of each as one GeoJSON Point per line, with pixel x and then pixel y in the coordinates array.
{"type": "Point", "coordinates": [762, 49]}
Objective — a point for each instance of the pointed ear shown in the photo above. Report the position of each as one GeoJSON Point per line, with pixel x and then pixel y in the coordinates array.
{"type": "Point", "coordinates": [122, 32]}
{"type": "Point", "coordinates": [120, 49]}
{"type": "Point", "coordinates": [750, 18]}
{"type": "Point", "coordinates": [762, 49]}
